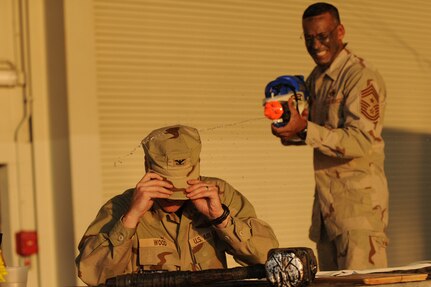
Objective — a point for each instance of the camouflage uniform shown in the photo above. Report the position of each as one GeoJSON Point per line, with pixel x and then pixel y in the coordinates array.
{"type": "Point", "coordinates": [351, 200]}
{"type": "Point", "coordinates": [163, 241]}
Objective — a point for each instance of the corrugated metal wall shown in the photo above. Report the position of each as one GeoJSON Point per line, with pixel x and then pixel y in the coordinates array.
{"type": "Point", "coordinates": [206, 63]}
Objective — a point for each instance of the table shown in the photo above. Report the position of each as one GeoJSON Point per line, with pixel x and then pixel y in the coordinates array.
{"type": "Point", "coordinates": [264, 283]}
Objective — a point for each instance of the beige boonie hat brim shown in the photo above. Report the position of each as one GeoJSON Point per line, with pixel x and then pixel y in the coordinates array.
{"type": "Point", "coordinates": [173, 153]}
{"type": "Point", "coordinates": [180, 183]}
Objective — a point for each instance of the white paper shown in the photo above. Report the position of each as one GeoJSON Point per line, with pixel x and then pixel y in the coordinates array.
{"type": "Point", "coordinates": [412, 266]}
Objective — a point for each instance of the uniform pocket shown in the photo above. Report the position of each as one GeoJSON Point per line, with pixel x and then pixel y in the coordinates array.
{"type": "Point", "coordinates": [352, 195]}
{"type": "Point", "coordinates": [335, 113]}
{"type": "Point", "coordinates": [158, 254]}
{"type": "Point", "coordinates": [205, 251]}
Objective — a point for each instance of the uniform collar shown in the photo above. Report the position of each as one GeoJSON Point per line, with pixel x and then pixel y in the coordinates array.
{"type": "Point", "coordinates": [334, 69]}
{"type": "Point", "coordinates": [189, 211]}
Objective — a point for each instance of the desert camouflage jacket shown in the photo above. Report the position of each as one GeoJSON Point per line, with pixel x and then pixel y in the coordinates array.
{"type": "Point", "coordinates": [163, 241]}
{"type": "Point", "coordinates": [347, 106]}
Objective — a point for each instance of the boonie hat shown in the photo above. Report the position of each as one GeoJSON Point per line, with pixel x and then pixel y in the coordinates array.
{"type": "Point", "coordinates": [173, 152]}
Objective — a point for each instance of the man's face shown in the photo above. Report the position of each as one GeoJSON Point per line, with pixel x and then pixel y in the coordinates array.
{"type": "Point", "coordinates": [169, 205]}
{"type": "Point", "coordinates": [323, 38]}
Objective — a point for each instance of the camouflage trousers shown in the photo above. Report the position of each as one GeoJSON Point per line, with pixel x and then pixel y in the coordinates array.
{"type": "Point", "coordinates": [354, 249]}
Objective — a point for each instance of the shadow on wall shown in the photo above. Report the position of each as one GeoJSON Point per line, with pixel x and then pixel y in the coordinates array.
{"type": "Point", "coordinates": [408, 169]}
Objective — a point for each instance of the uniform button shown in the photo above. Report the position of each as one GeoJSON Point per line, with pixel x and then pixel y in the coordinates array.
{"type": "Point", "coordinates": [241, 233]}
{"type": "Point", "coordinates": [121, 237]}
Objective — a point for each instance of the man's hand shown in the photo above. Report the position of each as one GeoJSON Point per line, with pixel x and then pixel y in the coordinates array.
{"type": "Point", "coordinates": [296, 124]}
{"type": "Point", "coordinates": [151, 186]}
{"type": "Point", "coordinates": [205, 197]}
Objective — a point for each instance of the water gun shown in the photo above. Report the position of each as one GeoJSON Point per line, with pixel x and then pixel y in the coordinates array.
{"type": "Point", "coordinates": [278, 92]}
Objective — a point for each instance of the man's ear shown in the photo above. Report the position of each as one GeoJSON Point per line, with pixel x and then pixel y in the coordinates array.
{"type": "Point", "coordinates": [341, 32]}
{"type": "Point", "coordinates": [145, 164]}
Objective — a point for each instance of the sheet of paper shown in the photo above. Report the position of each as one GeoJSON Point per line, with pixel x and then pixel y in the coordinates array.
{"type": "Point", "coordinates": [412, 266]}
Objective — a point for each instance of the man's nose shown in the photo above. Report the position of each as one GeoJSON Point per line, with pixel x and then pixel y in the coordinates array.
{"type": "Point", "coordinates": [316, 43]}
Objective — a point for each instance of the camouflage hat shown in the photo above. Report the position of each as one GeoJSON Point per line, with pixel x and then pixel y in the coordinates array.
{"type": "Point", "coordinates": [173, 152]}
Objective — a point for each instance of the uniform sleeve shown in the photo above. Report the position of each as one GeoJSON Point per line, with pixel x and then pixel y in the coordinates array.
{"type": "Point", "coordinates": [248, 238]}
{"type": "Point", "coordinates": [359, 112]}
{"type": "Point", "coordinates": [105, 250]}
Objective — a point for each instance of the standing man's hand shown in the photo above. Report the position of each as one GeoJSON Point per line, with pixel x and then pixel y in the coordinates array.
{"type": "Point", "coordinates": [150, 187]}
{"type": "Point", "coordinates": [206, 199]}
{"type": "Point", "coordinates": [296, 124]}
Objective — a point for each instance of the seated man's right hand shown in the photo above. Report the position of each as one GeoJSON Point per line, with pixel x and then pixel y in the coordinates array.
{"type": "Point", "coordinates": [150, 187]}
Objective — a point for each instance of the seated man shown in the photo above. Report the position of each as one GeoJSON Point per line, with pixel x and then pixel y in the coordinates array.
{"type": "Point", "coordinates": [174, 219]}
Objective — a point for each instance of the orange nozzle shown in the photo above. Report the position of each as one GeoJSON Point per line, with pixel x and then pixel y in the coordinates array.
{"type": "Point", "coordinates": [273, 110]}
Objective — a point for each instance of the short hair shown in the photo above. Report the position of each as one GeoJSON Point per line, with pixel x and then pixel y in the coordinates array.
{"type": "Point", "coordinates": [320, 8]}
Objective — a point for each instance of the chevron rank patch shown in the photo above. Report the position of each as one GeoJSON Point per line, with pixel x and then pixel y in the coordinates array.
{"type": "Point", "coordinates": [370, 103]}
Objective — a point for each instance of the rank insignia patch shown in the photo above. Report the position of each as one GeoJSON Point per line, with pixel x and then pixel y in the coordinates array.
{"type": "Point", "coordinates": [370, 103]}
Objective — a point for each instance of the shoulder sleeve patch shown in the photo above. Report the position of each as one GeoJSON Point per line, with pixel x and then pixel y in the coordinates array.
{"type": "Point", "coordinates": [370, 107]}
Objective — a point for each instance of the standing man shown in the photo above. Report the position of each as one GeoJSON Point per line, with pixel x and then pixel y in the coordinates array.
{"type": "Point", "coordinates": [343, 125]}
{"type": "Point", "coordinates": [174, 219]}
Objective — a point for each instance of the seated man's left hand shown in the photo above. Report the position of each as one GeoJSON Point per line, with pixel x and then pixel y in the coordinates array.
{"type": "Point", "coordinates": [205, 197]}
